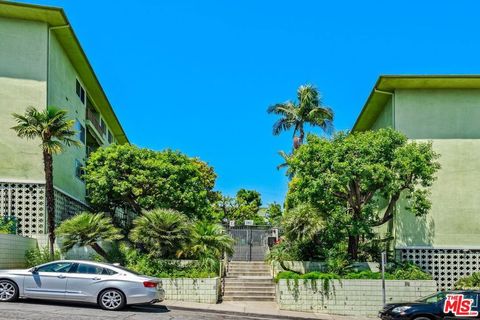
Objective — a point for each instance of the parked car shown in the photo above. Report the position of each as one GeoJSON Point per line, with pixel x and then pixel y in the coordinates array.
{"type": "Point", "coordinates": [442, 305]}
{"type": "Point", "coordinates": [110, 286]}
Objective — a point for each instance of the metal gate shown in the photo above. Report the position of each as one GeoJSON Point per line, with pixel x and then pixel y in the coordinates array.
{"type": "Point", "coordinates": [251, 242]}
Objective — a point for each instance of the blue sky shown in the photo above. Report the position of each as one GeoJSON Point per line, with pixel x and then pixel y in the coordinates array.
{"type": "Point", "coordinates": [197, 76]}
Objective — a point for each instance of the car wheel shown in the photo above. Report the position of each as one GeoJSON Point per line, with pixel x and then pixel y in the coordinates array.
{"type": "Point", "coordinates": [421, 318]}
{"type": "Point", "coordinates": [8, 291]}
{"type": "Point", "coordinates": [112, 299]}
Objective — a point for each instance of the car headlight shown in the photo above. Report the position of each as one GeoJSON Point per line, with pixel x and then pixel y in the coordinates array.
{"type": "Point", "coordinates": [400, 309]}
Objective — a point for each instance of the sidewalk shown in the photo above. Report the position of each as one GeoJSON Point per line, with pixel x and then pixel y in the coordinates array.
{"type": "Point", "coordinates": [253, 308]}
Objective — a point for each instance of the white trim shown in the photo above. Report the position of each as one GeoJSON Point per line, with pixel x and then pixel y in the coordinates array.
{"type": "Point", "coordinates": [439, 248]}
{"type": "Point", "coordinates": [22, 181]}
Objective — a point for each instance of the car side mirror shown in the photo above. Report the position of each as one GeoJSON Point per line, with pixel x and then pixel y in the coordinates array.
{"type": "Point", "coordinates": [33, 270]}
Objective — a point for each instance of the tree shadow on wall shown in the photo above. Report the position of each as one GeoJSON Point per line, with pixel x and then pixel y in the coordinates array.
{"type": "Point", "coordinates": [412, 231]}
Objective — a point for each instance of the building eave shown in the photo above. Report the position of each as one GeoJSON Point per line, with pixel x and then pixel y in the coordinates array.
{"type": "Point", "coordinates": [389, 83]}
{"type": "Point", "coordinates": [56, 17]}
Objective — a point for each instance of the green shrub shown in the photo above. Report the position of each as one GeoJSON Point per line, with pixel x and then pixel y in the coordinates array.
{"type": "Point", "coordinates": [315, 275]}
{"type": "Point", "coordinates": [401, 272]}
{"type": "Point", "coordinates": [7, 225]}
{"type": "Point", "coordinates": [149, 266]}
{"type": "Point", "coordinates": [468, 283]}
{"type": "Point", "coordinates": [34, 257]}
{"type": "Point", "coordinates": [409, 271]}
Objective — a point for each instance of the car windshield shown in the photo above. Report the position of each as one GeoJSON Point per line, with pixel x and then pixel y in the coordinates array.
{"type": "Point", "coordinates": [126, 269]}
{"type": "Point", "coordinates": [433, 298]}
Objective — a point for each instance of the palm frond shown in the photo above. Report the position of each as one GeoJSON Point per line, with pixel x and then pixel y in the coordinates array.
{"type": "Point", "coordinates": [50, 125]}
{"type": "Point", "coordinates": [282, 124]}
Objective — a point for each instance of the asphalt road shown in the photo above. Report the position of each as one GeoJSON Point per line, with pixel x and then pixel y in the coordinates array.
{"type": "Point", "coordinates": [43, 310]}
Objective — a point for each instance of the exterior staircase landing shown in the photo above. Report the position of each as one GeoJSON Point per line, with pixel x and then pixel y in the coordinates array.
{"type": "Point", "coordinates": [249, 281]}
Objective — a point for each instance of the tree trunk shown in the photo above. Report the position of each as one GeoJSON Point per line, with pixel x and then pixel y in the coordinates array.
{"type": "Point", "coordinates": [100, 251]}
{"type": "Point", "coordinates": [353, 247]}
{"type": "Point", "coordinates": [50, 200]}
{"type": "Point", "coordinates": [284, 267]}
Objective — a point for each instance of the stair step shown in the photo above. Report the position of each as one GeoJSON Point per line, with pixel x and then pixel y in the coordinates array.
{"type": "Point", "coordinates": [251, 298]}
{"type": "Point", "coordinates": [250, 285]}
{"type": "Point", "coordinates": [249, 273]}
{"type": "Point", "coordinates": [257, 280]}
{"type": "Point", "coordinates": [249, 291]}
{"type": "Point", "coordinates": [249, 294]}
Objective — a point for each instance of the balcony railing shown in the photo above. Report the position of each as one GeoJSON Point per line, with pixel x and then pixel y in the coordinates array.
{"type": "Point", "coordinates": [94, 119]}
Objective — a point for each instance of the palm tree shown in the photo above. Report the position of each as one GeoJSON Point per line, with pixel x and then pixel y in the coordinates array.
{"type": "Point", "coordinates": [54, 130]}
{"type": "Point", "coordinates": [208, 240]}
{"type": "Point", "coordinates": [309, 110]}
{"type": "Point", "coordinates": [161, 232]}
{"type": "Point", "coordinates": [88, 229]}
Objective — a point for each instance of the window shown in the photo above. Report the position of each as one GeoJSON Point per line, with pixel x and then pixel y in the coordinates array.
{"type": "Point", "coordinates": [110, 136]}
{"type": "Point", "coordinates": [80, 131]}
{"type": "Point", "coordinates": [79, 172]}
{"type": "Point", "coordinates": [434, 298]}
{"type": "Point", "coordinates": [55, 267]}
{"type": "Point", "coordinates": [103, 126]}
{"type": "Point", "coordinates": [91, 269]}
{"type": "Point", "coordinates": [80, 91]}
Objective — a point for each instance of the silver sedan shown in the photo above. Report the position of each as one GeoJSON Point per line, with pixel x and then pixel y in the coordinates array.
{"type": "Point", "coordinates": [110, 286]}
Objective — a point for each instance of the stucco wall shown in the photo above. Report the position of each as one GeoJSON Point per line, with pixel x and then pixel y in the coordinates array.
{"type": "Point", "coordinates": [385, 118]}
{"type": "Point", "coordinates": [62, 94]}
{"type": "Point", "coordinates": [438, 114]}
{"type": "Point", "coordinates": [23, 57]}
{"type": "Point", "coordinates": [12, 250]}
{"type": "Point", "coordinates": [453, 219]}
{"type": "Point", "coordinates": [448, 118]}
{"type": "Point", "coordinates": [348, 297]}
{"type": "Point", "coordinates": [192, 290]}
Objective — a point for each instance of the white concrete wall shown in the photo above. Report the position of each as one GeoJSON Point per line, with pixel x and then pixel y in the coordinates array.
{"type": "Point", "coordinates": [12, 250]}
{"type": "Point", "coordinates": [192, 290]}
{"type": "Point", "coordinates": [348, 297]}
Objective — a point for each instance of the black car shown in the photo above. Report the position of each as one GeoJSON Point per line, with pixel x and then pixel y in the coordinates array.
{"type": "Point", "coordinates": [442, 305]}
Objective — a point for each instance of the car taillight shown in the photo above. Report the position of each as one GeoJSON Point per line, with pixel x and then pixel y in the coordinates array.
{"type": "Point", "coordinates": [149, 284]}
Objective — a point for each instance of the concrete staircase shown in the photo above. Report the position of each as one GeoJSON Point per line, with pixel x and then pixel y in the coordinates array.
{"type": "Point", "coordinates": [249, 281]}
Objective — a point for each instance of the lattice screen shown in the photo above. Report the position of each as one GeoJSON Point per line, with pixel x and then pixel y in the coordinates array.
{"type": "Point", "coordinates": [25, 201]}
{"type": "Point", "coordinates": [66, 207]}
{"type": "Point", "coordinates": [445, 265]}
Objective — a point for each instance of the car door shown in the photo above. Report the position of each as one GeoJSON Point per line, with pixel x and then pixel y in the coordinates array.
{"type": "Point", "coordinates": [47, 281]}
{"type": "Point", "coordinates": [85, 281]}
{"type": "Point", "coordinates": [462, 305]}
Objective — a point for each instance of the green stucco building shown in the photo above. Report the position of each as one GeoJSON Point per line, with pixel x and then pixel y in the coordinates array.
{"type": "Point", "coordinates": [42, 64]}
{"type": "Point", "coordinates": [446, 111]}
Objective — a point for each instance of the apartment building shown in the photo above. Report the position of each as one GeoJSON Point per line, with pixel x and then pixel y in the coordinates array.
{"type": "Point", "coordinates": [43, 64]}
{"type": "Point", "coordinates": [446, 111]}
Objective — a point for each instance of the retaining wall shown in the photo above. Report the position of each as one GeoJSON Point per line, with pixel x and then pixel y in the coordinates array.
{"type": "Point", "coordinates": [348, 297]}
{"type": "Point", "coordinates": [205, 290]}
{"type": "Point", "coordinates": [12, 250]}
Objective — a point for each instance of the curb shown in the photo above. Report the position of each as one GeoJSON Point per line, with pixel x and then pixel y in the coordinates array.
{"type": "Point", "coordinates": [244, 314]}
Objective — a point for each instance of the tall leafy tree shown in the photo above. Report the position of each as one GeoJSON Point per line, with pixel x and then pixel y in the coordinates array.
{"type": "Point", "coordinates": [309, 109]}
{"type": "Point", "coordinates": [137, 179]}
{"type": "Point", "coordinates": [365, 174]}
{"type": "Point", "coordinates": [244, 206]}
{"type": "Point", "coordinates": [161, 232]}
{"type": "Point", "coordinates": [88, 229]}
{"type": "Point", "coordinates": [274, 214]}
{"type": "Point", "coordinates": [52, 127]}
